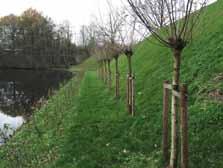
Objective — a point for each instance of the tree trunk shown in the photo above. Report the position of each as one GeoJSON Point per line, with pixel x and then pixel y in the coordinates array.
{"type": "Point", "coordinates": [130, 64]}
{"type": "Point", "coordinates": [117, 81]}
{"type": "Point", "coordinates": [130, 89]}
{"type": "Point", "coordinates": [174, 130]}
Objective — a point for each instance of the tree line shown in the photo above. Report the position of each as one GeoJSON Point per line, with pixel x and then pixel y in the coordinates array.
{"type": "Point", "coordinates": [171, 24]}
{"type": "Point", "coordinates": [33, 40]}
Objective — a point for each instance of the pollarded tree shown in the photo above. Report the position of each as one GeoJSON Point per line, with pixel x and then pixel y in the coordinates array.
{"type": "Point", "coordinates": [108, 31]}
{"type": "Point", "coordinates": [99, 54]}
{"type": "Point", "coordinates": [172, 23]}
{"type": "Point", "coordinates": [129, 37]}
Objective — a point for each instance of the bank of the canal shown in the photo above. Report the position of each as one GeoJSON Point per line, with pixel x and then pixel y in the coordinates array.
{"type": "Point", "coordinates": [22, 91]}
{"type": "Point", "coordinates": [37, 142]}
{"type": "Point", "coordinates": [84, 126]}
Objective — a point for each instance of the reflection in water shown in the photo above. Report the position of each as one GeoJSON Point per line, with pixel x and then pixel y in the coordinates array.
{"type": "Point", "coordinates": [14, 101]}
{"type": "Point", "coordinates": [20, 90]}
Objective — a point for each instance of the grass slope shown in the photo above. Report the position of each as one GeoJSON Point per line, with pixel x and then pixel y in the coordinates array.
{"type": "Point", "coordinates": [92, 130]}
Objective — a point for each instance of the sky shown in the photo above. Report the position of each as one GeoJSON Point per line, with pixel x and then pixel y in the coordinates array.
{"type": "Point", "coordinates": [77, 12]}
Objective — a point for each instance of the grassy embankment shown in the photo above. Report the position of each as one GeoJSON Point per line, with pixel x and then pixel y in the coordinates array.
{"type": "Point", "coordinates": [92, 130]}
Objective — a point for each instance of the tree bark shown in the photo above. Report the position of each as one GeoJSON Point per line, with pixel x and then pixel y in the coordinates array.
{"type": "Point", "coordinates": [174, 128]}
{"type": "Point", "coordinates": [130, 64]}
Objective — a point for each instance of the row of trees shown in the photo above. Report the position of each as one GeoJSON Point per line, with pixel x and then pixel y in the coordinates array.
{"type": "Point", "coordinates": [172, 24]}
{"type": "Point", "coordinates": [32, 40]}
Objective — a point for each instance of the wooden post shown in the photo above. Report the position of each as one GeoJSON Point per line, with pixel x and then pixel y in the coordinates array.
{"type": "Point", "coordinates": [127, 93]}
{"type": "Point", "coordinates": [106, 72]}
{"type": "Point", "coordinates": [103, 71]}
{"type": "Point", "coordinates": [133, 95]}
{"type": "Point", "coordinates": [117, 79]}
{"type": "Point", "coordinates": [130, 94]}
{"type": "Point", "coordinates": [117, 85]}
{"type": "Point", "coordinates": [98, 70]}
{"type": "Point", "coordinates": [184, 127]}
{"type": "Point", "coordinates": [165, 145]}
{"type": "Point", "coordinates": [109, 75]}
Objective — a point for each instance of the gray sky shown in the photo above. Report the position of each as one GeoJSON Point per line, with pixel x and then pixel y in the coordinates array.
{"type": "Point", "coordinates": [77, 12]}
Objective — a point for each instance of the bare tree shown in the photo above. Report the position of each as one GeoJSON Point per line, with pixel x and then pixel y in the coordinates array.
{"type": "Point", "coordinates": [108, 31]}
{"type": "Point", "coordinates": [172, 23]}
{"type": "Point", "coordinates": [129, 39]}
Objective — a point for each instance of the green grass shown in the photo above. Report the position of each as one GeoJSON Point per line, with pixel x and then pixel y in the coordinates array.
{"type": "Point", "coordinates": [83, 126]}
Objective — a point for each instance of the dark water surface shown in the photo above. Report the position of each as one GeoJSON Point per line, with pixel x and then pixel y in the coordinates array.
{"type": "Point", "coordinates": [20, 90]}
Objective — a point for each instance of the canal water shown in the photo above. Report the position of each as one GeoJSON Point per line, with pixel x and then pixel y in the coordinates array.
{"type": "Point", "coordinates": [20, 91]}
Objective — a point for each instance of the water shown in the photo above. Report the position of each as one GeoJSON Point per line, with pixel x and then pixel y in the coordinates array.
{"type": "Point", "coordinates": [20, 91]}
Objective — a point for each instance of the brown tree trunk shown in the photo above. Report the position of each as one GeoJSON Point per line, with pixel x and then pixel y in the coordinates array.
{"type": "Point", "coordinates": [174, 128]}
{"type": "Point", "coordinates": [130, 64]}
{"type": "Point", "coordinates": [117, 80]}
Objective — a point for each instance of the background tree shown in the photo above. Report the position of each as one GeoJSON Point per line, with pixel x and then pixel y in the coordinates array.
{"type": "Point", "coordinates": [37, 42]}
{"type": "Point", "coordinates": [9, 31]}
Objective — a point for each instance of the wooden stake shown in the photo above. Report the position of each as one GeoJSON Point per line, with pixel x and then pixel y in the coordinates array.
{"type": "Point", "coordinates": [184, 127]}
{"type": "Point", "coordinates": [117, 79]}
{"type": "Point", "coordinates": [133, 95]}
{"type": "Point", "coordinates": [117, 85]}
{"type": "Point", "coordinates": [109, 75]}
{"type": "Point", "coordinates": [165, 145]}
{"type": "Point", "coordinates": [106, 72]}
{"type": "Point", "coordinates": [128, 93]}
